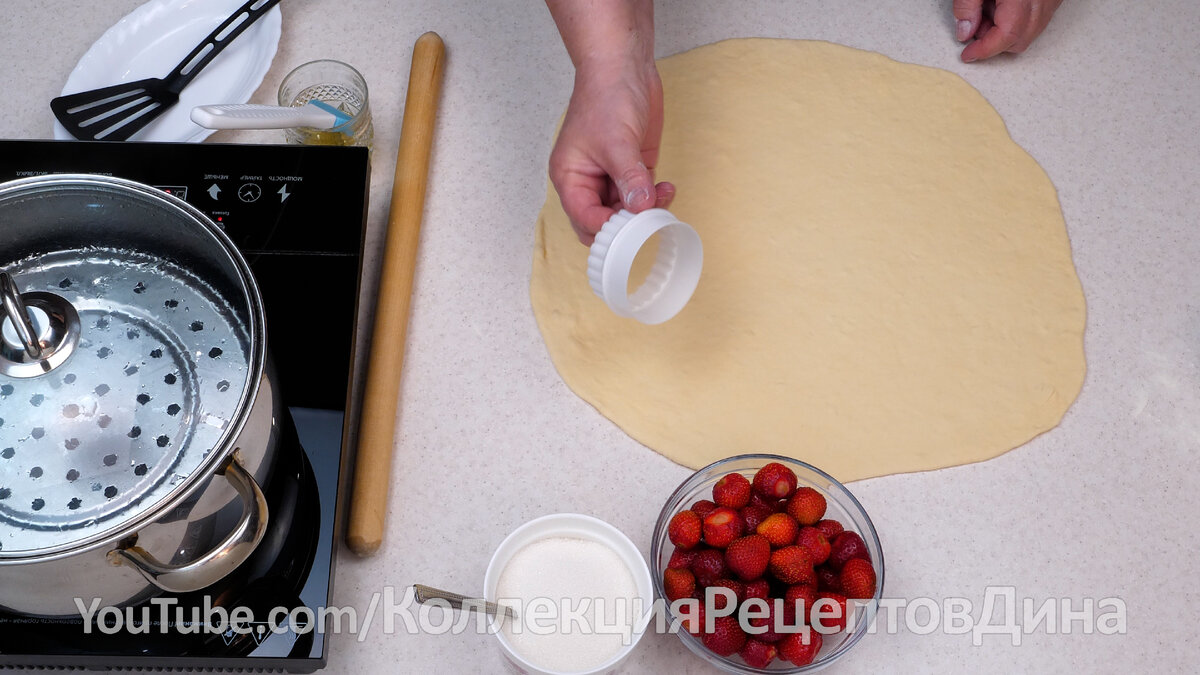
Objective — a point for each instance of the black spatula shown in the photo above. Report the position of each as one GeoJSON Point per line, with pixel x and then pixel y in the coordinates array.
{"type": "Point", "coordinates": [115, 113]}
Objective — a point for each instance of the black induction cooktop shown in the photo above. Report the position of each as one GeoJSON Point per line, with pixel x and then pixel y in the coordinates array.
{"type": "Point", "coordinates": [297, 214]}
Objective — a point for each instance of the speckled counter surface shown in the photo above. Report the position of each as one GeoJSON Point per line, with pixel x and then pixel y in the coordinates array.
{"type": "Point", "coordinates": [490, 437]}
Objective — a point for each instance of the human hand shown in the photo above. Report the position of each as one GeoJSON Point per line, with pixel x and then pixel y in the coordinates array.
{"type": "Point", "coordinates": [607, 148]}
{"type": "Point", "coordinates": [1000, 25]}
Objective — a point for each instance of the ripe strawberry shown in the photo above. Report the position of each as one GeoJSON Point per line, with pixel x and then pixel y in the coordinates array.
{"type": "Point", "coordinates": [811, 539]}
{"type": "Point", "coordinates": [798, 600]}
{"type": "Point", "coordinates": [727, 636]}
{"type": "Point", "coordinates": [678, 583]}
{"type": "Point", "coordinates": [858, 579]}
{"type": "Point", "coordinates": [829, 613]}
{"type": "Point", "coordinates": [800, 648]}
{"type": "Point", "coordinates": [830, 528]}
{"type": "Point", "coordinates": [685, 529]}
{"type": "Point", "coordinates": [733, 490]}
{"type": "Point", "coordinates": [758, 654]}
{"type": "Point", "coordinates": [708, 566]}
{"type": "Point", "coordinates": [722, 526]}
{"type": "Point", "coordinates": [807, 506]}
{"type": "Point", "coordinates": [846, 546]}
{"type": "Point", "coordinates": [769, 503]}
{"type": "Point", "coordinates": [775, 481]}
{"type": "Point", "coordinates": [681, 559]}
{"type": "Point", "coordinates": [748, 556]}
{"type": "Point", "coordinates": [759, 588]}
{"type": "Point", "coordinates": [828, 579]}
{"type": "Point", "coordinates": [720, 602]}
{"type": "Point", "coordinates": [791, 565]}
{"type": "Point", "coordinates": [692, 618]}
{"type": "Point", "coordinates": [752, 515]}
{"type": "Point", "coordinates": [779, 529]}
{"type": "Point", "coordinates": [703, 507]}
{"type": "Point", "coordinates": [777, 618]}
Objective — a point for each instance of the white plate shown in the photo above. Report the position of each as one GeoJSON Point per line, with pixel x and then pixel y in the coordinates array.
{"type": "Point", "coordinates": [152, 39]}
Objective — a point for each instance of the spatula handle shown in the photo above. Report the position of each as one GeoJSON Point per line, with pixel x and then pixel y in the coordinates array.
{"type": "Point", "coordinates": [216, 41]}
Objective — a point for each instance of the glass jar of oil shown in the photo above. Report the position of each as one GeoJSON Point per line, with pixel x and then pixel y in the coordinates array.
{"type": "Point", "coordinates": [336, 84]}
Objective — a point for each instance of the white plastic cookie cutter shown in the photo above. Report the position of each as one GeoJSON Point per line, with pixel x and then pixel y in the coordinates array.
{"type": "Point", "coordinates": [671, 280]}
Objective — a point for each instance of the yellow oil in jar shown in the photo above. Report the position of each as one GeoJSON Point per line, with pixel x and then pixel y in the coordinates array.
{"type": "Point", "coordinates": [358, 131]}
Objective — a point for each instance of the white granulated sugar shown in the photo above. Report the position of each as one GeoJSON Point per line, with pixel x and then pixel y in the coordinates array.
{"type": "Point", "coordinates": [545, 575]}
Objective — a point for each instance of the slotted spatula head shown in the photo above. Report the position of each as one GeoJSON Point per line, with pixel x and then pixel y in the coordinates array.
{"type": "Point", "coordinates": [115, 113]}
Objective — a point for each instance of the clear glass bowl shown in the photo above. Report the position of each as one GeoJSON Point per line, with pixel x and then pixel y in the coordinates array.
{"type": "Point", "coordinates": [842, 506]}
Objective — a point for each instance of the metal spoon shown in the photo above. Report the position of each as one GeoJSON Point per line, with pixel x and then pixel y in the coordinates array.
{"type": "Point", "coordinates": [425, 594]}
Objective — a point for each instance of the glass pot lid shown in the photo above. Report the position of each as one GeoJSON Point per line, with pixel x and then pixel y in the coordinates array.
{"type": "Point", "coordinates": [158, 368]}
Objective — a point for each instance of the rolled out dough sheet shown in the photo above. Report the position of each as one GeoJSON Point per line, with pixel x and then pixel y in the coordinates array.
{"type": "Point", "coordinates": [887, 287]}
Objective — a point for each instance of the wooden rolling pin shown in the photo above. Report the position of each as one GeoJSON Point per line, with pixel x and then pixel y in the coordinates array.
{"type": "Point", "coordinates": [376, 435]}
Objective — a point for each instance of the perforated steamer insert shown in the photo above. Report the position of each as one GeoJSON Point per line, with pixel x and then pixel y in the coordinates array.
{"type": "Point", "coordinates": [156, 374]}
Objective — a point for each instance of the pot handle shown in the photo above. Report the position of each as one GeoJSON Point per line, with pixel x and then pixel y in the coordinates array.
{"type": "Point", "coordinates": [217, 563]}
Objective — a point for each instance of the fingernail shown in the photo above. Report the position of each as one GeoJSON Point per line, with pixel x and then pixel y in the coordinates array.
{"type": "Point", "coordinates": [634, 196]}
{"type": "Point", "coordinates": [964, 30]}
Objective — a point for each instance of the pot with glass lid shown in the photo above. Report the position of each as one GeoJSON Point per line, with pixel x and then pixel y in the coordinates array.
{"type": "Point", "coordinates": [137, 417]}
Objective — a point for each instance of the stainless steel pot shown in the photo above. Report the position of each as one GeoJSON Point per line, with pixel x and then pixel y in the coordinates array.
{"type": "Point", "coordinates": [137, 416]}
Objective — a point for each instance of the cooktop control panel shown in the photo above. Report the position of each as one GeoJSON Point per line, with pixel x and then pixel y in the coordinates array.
{"type": "Point", "coordinates": [250, 191]}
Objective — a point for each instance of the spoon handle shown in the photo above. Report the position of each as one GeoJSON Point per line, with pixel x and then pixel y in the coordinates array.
{"type": "Point", "coordinates": [253, 116]}
{"type": "Point", "coordinates": [425, 594]}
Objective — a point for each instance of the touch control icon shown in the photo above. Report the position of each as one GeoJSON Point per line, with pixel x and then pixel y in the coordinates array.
{"type": "Point", "coordinates": [250, 192]}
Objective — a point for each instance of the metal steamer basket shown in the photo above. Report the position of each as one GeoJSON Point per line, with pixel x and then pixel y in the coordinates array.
{"type": "Point", "coordinates": [137, 414]}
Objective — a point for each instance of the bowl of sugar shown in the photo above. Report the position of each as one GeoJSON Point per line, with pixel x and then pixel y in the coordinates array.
{"type": "Point", "coordinates": [581, 593]}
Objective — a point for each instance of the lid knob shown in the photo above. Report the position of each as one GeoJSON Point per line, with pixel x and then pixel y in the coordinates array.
{"type": "Point", "coordinates": [38, 330]}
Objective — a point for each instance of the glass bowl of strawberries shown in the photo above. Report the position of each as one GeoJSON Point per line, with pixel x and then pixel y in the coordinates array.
{"type": "Point", "coordinates": [769, 565]}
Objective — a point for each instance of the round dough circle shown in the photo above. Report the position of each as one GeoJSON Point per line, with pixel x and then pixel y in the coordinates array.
{"type": "Point", "coordinates": [887, 284]}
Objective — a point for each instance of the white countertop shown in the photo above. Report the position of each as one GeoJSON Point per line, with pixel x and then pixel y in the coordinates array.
{"type": "Point", "coordinates": [489, 436]}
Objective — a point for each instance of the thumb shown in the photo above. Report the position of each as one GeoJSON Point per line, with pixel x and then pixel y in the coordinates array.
{"type": "Point", "coordinates": [635, 183]}
{"type": "Point", "coordinates": [969, 13]}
